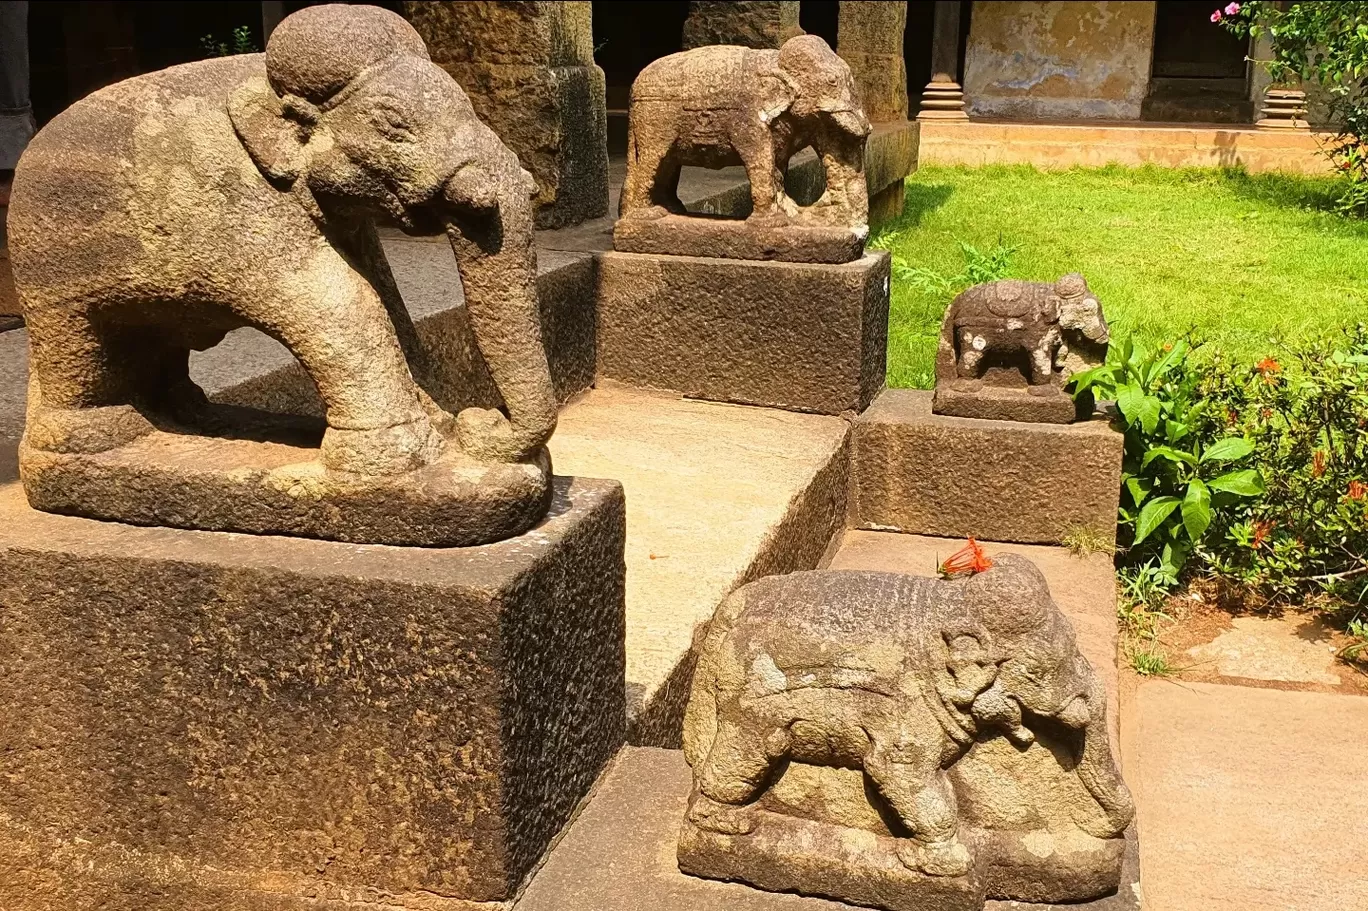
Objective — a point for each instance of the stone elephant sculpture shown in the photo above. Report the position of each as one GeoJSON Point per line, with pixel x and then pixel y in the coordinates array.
{"type": "Point", "coordinates": [156, 215]}
{"type": "Point", "coordinates": [1030, 324]}
{"type": "Point", "coordinates": [895, 675]}
{"type": "Point", "coordinates": [719, 106]}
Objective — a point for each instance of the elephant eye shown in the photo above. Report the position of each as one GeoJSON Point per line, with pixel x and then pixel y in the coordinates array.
{"type": "Point", "coordinates": [391, 125]}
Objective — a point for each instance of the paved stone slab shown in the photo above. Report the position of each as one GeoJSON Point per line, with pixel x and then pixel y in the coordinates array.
{"type": "Point", "coordinates": [802, 336]}
{"type": "Point", "coordinates": [1250, 799]}
{"type": "Point", "coordinates": [619, 855]}
{"type": "Point", "coordinates": [923, 473]}
{"type": "Point", "coordinates": [1287, 649]}
{"type": "Point", "coordinates": [1084, 587]}
{"type": "Point", "coordinates": [288, 720]}
{"type": "Point", "coordinates": [716, 495]}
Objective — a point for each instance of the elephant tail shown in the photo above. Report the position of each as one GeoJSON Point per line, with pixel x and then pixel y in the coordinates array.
{"type": "Point", "coordinates": [710, 647]}
{"type": "Point", "coordinates": [1097, 770]}
{"type": "Point", "coordinates": [945, 348]}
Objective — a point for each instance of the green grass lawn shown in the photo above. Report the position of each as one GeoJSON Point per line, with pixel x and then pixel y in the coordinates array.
{"type": "Point", "coordinates": [1245, 261]}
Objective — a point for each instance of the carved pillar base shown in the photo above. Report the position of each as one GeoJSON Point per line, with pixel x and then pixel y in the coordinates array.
{"type": "Point", "coordinates": [1283, 109]}
{"type": "Point", "coordinates": [942, 101]}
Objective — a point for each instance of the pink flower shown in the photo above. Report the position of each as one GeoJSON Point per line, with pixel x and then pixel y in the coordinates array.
{"type": "Point", "coordinates": [1232, 9]}
{"type": "Point", "coordinates": [1216, 16]}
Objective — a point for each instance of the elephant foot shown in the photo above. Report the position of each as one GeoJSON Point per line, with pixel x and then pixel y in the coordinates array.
{"type": "Point", "coordinates": [487, 435]}
{"type": "Point", "coordinates": [85, 430]}
{"type": "Point", "coordinates": [775, 218]}
{"type": "Point", "coordinates": [706, 813]}
{"type": "Point", "coordinates": [937, 858]}
{"type": "Point", "coordinates": [381, 451]}
{"type": "Point", "coordinates": [651, 213]}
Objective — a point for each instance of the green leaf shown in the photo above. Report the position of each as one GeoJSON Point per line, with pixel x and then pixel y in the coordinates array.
{"type": "Point", "coordinates": [1128, 399]}
{"type": "Point", "coordinates": [1139, 489]}
{"type": "Point", "coordinates": [1196, 510]}
{"type": "Point", "coordinates": [1168, 452]}
{"type": "Point", "coordinates": [1246, 483]}
{"type": "Point", "coordinates": [1228, 450]}
{"type": "Point", "coordinates": [1149, 413]}
{"type": "Point", "coordinates": [1086, 379]}
{"type": "Point", "coordinates": [1153, 516]}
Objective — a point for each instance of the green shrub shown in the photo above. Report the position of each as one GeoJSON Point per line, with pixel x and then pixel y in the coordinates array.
{"type": "Point", "coordinates": [1307, 416]}
{"type": "Point", "coordinates": [1174, 476]}
{"type": "Point", "coordinates": [242, 43]}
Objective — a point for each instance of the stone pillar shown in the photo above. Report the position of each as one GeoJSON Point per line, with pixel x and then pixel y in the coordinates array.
{"type": "Point", "coordinates": [869, 38]}
{"type": "Point", "coordinates": [752, 23]}
{"type": "Point", "coordinates": [944, 98]}
{"type": "Point", "coordinates": [1283, 107]}
{"type": "Point", "coordinates": [529, 70]}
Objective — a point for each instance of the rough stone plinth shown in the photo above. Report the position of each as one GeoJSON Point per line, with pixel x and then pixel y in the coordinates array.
{"type": "Point", "coordinates": [983, 400]}
{"type": "Point", "coordinates": [729, 238]}
{"type": "Point", "coordinates": [529, 70]}
{"type": "Point", "coordinates": [749, 23]}
{"type": "Point", "coordinates": [801, 336]}
{"type": "Point", "coordinates": [929, 474]}
{"type": "Point", "coordinates": [211, 720]}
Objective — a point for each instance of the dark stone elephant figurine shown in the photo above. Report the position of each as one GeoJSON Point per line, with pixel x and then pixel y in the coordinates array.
{"type": "Point", "coordinates": [156, 215]}
{"type": "Point", "coordinates": [1027, 324]}
{"type": "Point", "coordinates": [722, 105]}
{"type": "Point", "coordinates": [897, 676]}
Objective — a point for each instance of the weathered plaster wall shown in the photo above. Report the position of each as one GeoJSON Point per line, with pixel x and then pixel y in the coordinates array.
{"type": "Point", "coordinates": [1056, 60]}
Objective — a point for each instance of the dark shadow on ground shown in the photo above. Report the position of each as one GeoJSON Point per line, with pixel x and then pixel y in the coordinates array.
{"type": "Point", "coordinates": [1286, 191]}
{"type": "Point", "coordinates": [920, 199]}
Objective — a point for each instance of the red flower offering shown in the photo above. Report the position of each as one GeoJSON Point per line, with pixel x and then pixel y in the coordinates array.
{"type": "Point", "coordinates": [966, 561]}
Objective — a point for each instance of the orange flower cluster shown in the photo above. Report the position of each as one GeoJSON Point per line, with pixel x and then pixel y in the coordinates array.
{"type": "Point", "coordinates": [1318, 463]}
{"type": "Point", "coordinates": [1262, 529]}
{"type": "Point", "coordinates": [1357, 490]}
{"type": "Point", "coordinates": [966, 561]}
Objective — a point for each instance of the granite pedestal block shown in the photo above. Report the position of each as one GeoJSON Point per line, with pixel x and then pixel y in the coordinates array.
{"type": "Point", "coordinates": [929, 474]}
{"type": "Point", "coordinates": [215, 720]}
{"type": "Point", "coordinates": [801, 336]}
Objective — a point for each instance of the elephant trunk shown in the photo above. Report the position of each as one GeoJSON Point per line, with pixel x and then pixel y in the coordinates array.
{"type": "Point", "coordinates": [843, 163]}
{"type": "Point", "coordinates": [1097, 770]}
{"type": "Point", "coordinates": [498, 268]}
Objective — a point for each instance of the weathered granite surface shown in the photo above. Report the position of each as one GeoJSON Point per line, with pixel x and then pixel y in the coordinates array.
{"type": "Point", "coordinates": [749, 23]}
{"type": "Point", "coordinates": [201, 719]}
{"type": "Point", "coordinates": [929, 474]}
{"type": "Point", "coordinates": [801, 336]}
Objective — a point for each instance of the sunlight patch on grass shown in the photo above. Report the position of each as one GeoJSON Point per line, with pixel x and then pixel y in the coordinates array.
{"type": "Point", "coordinates": [1245, 261]}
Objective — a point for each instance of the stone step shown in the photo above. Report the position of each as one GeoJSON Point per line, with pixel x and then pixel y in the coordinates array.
{"type": "Point", "coordinates": [717, 495]}
{"type": "Point", "coordinates": [619, 854]}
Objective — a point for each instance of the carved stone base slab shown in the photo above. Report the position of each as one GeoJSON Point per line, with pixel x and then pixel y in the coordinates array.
{"type": "Point", "coordinates": [218, 484]}
{"type": "Point", "coordinates": [977, 399]}
{"type": "Point", "coordinates": [731, 238]}
{"type": "Point", "coordinates": [787, 854]}
{"type": "Point", "coordinates": [201, 720]}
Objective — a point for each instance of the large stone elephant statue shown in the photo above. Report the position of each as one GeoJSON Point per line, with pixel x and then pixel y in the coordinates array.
{"type": "Point", "coordinates": [156, 215]}
{"type": "Point", "coordinates": [897, 676]}
{"type": "Point", "coordinates": [722, 105]}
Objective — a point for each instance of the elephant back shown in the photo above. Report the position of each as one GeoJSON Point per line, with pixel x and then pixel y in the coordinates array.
{"type": "Point", "coordinates": [705, 78]}
{"type": "Point", "coordinates": [1009, 299]}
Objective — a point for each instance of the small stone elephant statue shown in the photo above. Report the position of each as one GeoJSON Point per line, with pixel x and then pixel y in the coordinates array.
{"type": "Point", "coordinates": [1028, 324]}
{"type": "Point", "coordinates": [897, 676]}
{"type": "Point", "coordinates": [721, 105]}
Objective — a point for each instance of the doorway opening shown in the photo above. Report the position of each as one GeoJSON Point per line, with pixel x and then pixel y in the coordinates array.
{"type": "Point", "coordinates": [1199, 72]}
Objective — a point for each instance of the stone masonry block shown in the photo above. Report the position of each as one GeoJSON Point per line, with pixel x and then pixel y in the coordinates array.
{"type": "Point", "coordinates": [212, 720]}
{"type": "Point", "coordinates": [870, 39]}
{"type": "Point", "coordinates": [750, 23]}
{"type": "Point", "coordinates": [927, 474]}
{"type": "Point", "coordinates": [802, 336]}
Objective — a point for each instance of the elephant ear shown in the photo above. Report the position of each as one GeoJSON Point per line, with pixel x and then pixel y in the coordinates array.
{"type": "Point", "coordinates": [778, 91]}
{"type": "Point", "coordinates": [273, 138]}
{"type": "Point", "coordinates": [970, 664]}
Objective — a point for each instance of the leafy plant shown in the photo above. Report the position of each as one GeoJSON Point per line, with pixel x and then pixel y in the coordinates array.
{"type": "Point", "coordinates": [1174, 478]}
{"type": "Point", "coordinates": [242, 43]}
{"type": "Point", "coordinates": [1325, 43]}
{"type": "Point", "coordinates": [1307, 534]}
{"type": "Point", "coordinates": [979, 266]}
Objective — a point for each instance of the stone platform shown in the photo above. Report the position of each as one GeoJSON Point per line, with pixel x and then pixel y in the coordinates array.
{"type": "Point", "coordinates": [922, 473]}
{"type": "Point", "coordinates": [800, 336]}
{"type": "Point", "coordinates": [717, 495]}
{"type": "Point", "coordinates": [733, 238]}
{"type": "Point", "coordinates": [207, 719]}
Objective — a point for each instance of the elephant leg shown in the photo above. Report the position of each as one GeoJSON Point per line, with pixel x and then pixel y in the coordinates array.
{"type": "Point", "coordinates": [340, 331]}
{"type": "Point", "coordinates": [1042, 365]}
{"type": "Point", "coordinates": [920, 793]}
{"type": "Point", "coordinates": [971, 355]}
{"type": "Point", "coordinates": [737, 764]}
{"type": "Point", "coordinates": [81, 391]}
{"type": "Point", "coordinates": [765, 172]}
{"type": "Point", "coordinates": [651, 182]}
